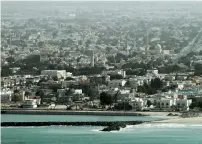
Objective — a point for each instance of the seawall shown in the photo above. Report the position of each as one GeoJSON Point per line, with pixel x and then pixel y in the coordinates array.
{"type": "Point", "coordinates": [98, 123]}
{"type": "Point", "coordinates": [63, 112]}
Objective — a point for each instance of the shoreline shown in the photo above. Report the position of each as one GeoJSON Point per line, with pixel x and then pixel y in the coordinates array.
{"type": "Point", "coordinates": [178, 120]}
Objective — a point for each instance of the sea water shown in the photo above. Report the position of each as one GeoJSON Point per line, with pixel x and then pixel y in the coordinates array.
{"type": "Point", "coordinates": [73, 118]}
{"type": "Point", "coordinates": [138, 134]}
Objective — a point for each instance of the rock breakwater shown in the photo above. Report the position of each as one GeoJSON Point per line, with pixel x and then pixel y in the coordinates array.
{"type": "Point", "coordinates": [99, 123]}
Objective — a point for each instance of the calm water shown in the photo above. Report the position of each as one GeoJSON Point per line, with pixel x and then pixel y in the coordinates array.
{"type": "Point", "coordinates": [70, 118]}
{"type": "Point", "coordinates": [139, 134]}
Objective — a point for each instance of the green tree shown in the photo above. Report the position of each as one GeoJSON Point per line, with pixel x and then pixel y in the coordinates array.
{"type": "Point", "coordinates": [93, 93]}
{"type": "Point", "coordinates": [123, 106]}
{"type": "Point", "coordinates": [55, 34]}
{"type": "Point", "coordinates": [198, 69]}
{"type": "Point", "coordinates": [146, 88]}
{"type": "Point", "coordinates": [55, 78]}
{"type": "Point", "coordinates": [106, 99]}
{"type": "Point", "coordinates": [112, 77]}
{"type": "Point", "coordinates": [41, 94]}
{"type": "Point", "coordinates": [16, 96]}
{"type": "Point", "coordinates": [196, 102]}
{"type": "Point", "coordinates": [156, 83]}
{"type": "Point", "coordinates": [41, 44]}
{"type": "Point", "coordinates": [149, 103]}
{"type": "Point", "coordinates": [87, 43]}
{"type": "Point", "coordinates": [27, 93]}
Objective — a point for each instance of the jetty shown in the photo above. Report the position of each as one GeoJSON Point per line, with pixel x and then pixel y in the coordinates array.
{"type": "Point", "coordinates": [65, 112]}
{"type": "Point", "coordinates": [97, 123]}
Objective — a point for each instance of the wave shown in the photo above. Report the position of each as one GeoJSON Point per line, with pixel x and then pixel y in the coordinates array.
{"type": "Point", "coordinates": [96, 130]}
{"type": "Point", "coordinates": [127, 128]}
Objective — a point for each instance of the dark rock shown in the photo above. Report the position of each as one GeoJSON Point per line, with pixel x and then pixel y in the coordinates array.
{"type": "Point", "coordinates": [170, 114]}
{"type": "Point", "coordinates": [114, 127]}
{"type": "Point", "coordinates": [111, 128]}
{"type": "Point", "coordinates": [190, 114]}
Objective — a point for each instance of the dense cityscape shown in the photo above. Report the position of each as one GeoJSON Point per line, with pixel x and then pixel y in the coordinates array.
{"type": "Point", "coordinates": [104, 72]}
{"type": "Point", "coordinates": [111, 56]}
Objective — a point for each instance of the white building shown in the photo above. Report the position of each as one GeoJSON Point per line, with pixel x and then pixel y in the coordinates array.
{"type": "Point", "coordinates": [116, 72]}
{"type": "Point", "coordinates": [153, 71]}
{"type": "Point", "coordinates": [170, 77]}
{"type": "Point", "coordinates": [166, 52]}
{"type": "Point", "coordinates": [138, 103]}
{"type": "Point", "coordinates": [184, 103]}
{"type": "Point", "coordinates": [179, 103]}
{"type": "Point", "coordinates": [165, 103]}
{"type": "Point", "coordinates": [55, 73]}
{"type": "Point", "coordinates": [69, 74]}
{"type": "Point", "coordinates": [78, 91]}
{"type": "Point", "coordinates": [180, 86]}
{"type": "Point", "coordinates": [117, 83]}
{"type": "Point", "coordinates": [30, 104]}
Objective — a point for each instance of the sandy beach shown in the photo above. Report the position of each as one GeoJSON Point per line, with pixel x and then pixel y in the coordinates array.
{"type": "Point", "coordinates": [173, 119]}
{"type": "Point", "coordinates": [177, 120]}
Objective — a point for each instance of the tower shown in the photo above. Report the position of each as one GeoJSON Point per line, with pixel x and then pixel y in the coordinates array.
{"type": "Point", "coordinates": [41, 35]}
{"type": "Point", "coordinates": [10, 40]}
{"type": "Point", "coordinates": [92, 56]}
{"type": "Point", "coordinates": [104, 60]}
{"type": "Point", "coordinates": [134, 44]}
{"type": "Point", "coordinates": [92, 59]}
{"type": "Point", "coordinates": [147, 43]}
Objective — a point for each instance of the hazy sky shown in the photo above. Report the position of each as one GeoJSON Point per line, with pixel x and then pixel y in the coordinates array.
{"type": "Point", "coordinates": [100, 0]}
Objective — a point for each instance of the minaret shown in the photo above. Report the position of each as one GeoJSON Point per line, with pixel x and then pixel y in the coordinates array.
{"type": "Point", "coordinates": [10, 40]}
{"type": "Point", "coordinates": [134, 44]}
{"type": "Point", "coordinates": [119, 45]}
{"type": "Point", "coordinates": [147, 43]}
{"type": "Point", "coordinates": [127, 48]}
{"type": "Point", "coordinates": [104, 62]}
{"type": "Point", "coordinates": [41, 35]}
{"type": "Point", "coordinates": [92, 59]}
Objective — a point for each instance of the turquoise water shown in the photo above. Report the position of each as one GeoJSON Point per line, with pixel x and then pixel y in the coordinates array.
{"type": "Point", "coordinates": [139, 134]}
{"type": "Point", "coordinates": [71, 118]}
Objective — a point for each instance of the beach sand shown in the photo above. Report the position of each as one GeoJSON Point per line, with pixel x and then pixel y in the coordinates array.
{"type": "Point", "coordinates": [177, 120]}
{"type": "Point", "coordinates": [173, 119]}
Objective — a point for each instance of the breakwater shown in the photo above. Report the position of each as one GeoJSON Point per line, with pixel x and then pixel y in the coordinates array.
{"type": "Point", "coordinates": [98, 123]}
{"type": "Point", "coordinates": [63, 112]}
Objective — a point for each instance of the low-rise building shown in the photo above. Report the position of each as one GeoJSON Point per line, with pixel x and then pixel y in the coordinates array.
{"type": "Point", "coordinates": [55, 73]}
{"type": "Point", "coordinates": [117, 83]}
{"type": "Point", "coordinates": [30, 103]}
{"type": "Point", "coordinates": [167, 104]}
{"type": "Point", "coordinates": [6, 95]}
